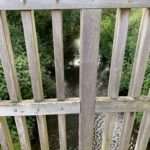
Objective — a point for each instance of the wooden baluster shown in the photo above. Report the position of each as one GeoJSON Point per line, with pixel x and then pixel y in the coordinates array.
{"type": "Point", "coordinates": [57, 22]}
{"type": "Point", "coordinates": [90, 35]}
{"type": "Point", "coordinates": [35, 72]}
{"type": "Point", "coordinates": [5, 139]}
{"type": "Point", "coordinates": [144, 131]}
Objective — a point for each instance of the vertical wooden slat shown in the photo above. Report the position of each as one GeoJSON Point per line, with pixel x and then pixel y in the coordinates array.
{"type": "Point", "coordinates": [138, 72]}
{"type": "Point", "coordinates": [43, 133]}
{"type": "Point", "coordinates": [5, 139]}
{"type": "Point", "coordinates": [35, 72]}
{"type": "Point", "coordinates": [57, 22]}
{"type": "Point", "coordinates": [121, 30]}
{"type": "Point", "coordinates": [90, 35]}
{"type": "Point", "coordinates": [7, 60]}
{"type": "Point", "coordinates": [62, 132]}
{"type": "Point", "coordinates": [144, 132]}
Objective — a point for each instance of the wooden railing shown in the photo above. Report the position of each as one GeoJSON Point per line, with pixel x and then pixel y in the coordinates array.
{"type": "Point", "coordinates": [87, 104]}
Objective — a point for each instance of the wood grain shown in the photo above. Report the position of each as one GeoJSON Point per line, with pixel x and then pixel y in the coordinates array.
{"type": "Point", "coordinates": [72, 106]}
{"type": "Point", "coordinates": [121, 30]}
{"type": "Point", "coordinates": [90, 35]}
{"type": "Point", "coordinates": [71, 4]}
{"type": "Point", "coordinates": [7, 60]}
{"type": "Point", "coordinates": [57, 25]}
{"type": "Point", "coordinates": [138, 72]}
{"type": "Point", "coordinates": [35, 72]}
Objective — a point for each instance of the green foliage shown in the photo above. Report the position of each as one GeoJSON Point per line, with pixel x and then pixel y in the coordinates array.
{"type": "Point", "coordinates": [23, 76]}
{"type": "Point", "coordinates": [146, 84]}
{"type": "Point", "coordinates": [107, 34]}
{"type": "Point", "coordinates": [13, 132]}
{"type": "Point", "coordinates": [3, 87]}
{"type": "Point", "coordinates": [32, 127]}
{"type": "Point", "coordinates": [138, 119]}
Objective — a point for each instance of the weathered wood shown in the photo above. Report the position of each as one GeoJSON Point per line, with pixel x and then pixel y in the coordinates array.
{"type": "Point", "coordinates": [120, 36]}
{"type": "Point", "coordinates": [90, 35]}
{"type": "Point", "coordinates": [23, 132]}
{"type": "Point", "coordinates": [62, 131]}
{"type": "Point", "coordinates": [90, 29]}
{"type": "Point", "coordinates": [34, 66]}
{"type": "Point", "coordinates": [43, 133]}
{"type": "Point", "coordinates": [57, 25]}
{"type": "Point", "coordinates": [139, 67]}
{"type": "Point", "coordinates": [121, 30]}
{"type": "Point", "coordinates": [73, 4]}
{"type": "Point", "coordinates": [72, 106]}
{"type": "Point", "coordinates": [5, 139]}
{"type": "Point", "coordinates": [32, 53]}
{"type": "Point", "coordinates": [7, 60]}
{"type": "Point", "coordinates": [144, 131]}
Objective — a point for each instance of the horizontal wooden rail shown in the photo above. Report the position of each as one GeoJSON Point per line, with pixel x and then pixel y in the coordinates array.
{"type": "Point", "coordinates": [70, 4]}
{"type": "Point", "coordinates": [72, 106]}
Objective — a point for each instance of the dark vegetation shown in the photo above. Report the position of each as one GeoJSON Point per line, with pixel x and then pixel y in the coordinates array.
{"type": "Point", "coordinates": [45, 44]}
